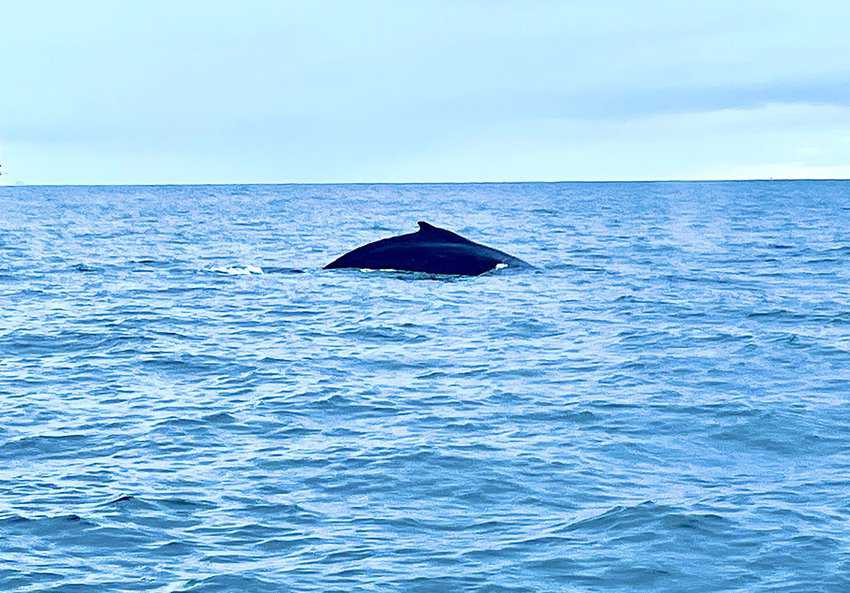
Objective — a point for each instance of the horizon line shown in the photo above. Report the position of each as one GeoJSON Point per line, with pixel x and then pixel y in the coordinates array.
{"type": "Point", "coordinates": [502, 182]}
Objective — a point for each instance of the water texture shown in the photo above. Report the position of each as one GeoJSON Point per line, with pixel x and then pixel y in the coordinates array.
{"type": "Point", "coordinates": [189, 403]}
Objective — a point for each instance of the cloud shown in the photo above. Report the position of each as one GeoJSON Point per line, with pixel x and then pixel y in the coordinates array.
{"type": "Point", "coordinates": [738, 143]}
{"type": "Point", "coordinates": [267, 91]}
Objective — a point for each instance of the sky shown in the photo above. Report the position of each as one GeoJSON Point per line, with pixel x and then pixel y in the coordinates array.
{"type": "Point", "coordinates": [268, 91]}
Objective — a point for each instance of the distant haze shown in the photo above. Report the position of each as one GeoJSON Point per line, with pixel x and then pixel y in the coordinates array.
{"type": "Point", "coordinates": [266, 91]}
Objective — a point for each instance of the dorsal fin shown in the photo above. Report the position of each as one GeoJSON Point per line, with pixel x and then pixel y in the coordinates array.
{"type": "Point", "coordinates": [431, 231]}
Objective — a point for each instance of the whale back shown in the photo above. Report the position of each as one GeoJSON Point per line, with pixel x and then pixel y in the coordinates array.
{"type": "Point", "coordinates": [431, 249]}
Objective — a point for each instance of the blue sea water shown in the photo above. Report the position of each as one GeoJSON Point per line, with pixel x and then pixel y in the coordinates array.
{"type": "Point", "coordinates": [189, 403]}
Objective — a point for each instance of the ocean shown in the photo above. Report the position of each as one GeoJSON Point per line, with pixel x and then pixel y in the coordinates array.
{"type": "Point", "coordinates": [189, 403]}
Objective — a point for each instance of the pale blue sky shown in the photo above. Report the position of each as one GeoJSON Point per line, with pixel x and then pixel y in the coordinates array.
{"type": "Point", "coordinates": [267, 91]}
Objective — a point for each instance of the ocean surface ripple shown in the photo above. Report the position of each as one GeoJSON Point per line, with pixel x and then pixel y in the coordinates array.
{"type": "Point", "coordinates": [190, 404]}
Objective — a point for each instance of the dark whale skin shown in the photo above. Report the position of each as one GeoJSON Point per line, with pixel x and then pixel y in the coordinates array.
{"type": "Point", "coordinates": [430, 250]}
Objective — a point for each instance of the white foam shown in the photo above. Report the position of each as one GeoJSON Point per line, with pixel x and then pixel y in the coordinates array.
{"type": "Point", "coordinates": [238, 270]}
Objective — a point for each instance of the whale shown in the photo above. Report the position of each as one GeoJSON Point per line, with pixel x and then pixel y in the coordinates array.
{"type": "Point", "coordinates": [430, 250]}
